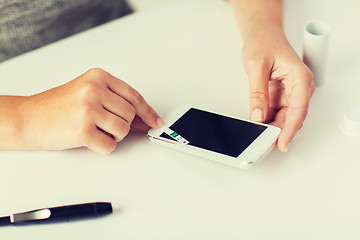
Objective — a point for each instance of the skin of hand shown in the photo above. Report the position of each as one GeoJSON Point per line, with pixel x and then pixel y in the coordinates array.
{"type": "Point", "coordinates": [281, 85]}
{"type": "Point", "coordinates": [95, 110]}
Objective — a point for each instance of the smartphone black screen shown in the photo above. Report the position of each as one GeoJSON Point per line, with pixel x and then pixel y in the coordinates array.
{"type": "Point", "coordinates": [215, 132]}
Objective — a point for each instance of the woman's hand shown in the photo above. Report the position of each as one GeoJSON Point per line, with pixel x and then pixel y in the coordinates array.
{"type": "Point", "coordinates": [95, 110]}
{"type": "Point", "coordinates": [281, 85]}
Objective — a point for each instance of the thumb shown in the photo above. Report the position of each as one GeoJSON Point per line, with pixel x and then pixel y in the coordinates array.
{"type": "Point", "coordinates": [258, 76]}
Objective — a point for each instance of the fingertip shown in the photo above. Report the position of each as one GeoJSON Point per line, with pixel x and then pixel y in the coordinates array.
{"type": "Point", "coordinates": [157, 123]}
{"type": "Point", "coordinates": [160, 122]}
{"type": "Point", "coordinates": [282, 146]}
{"type": "Point", "coordinates": [150, 117]}
{"type": "Point", "coordinates": [283, 149]}
{"type": "Point", "coordinates": [257, 115]}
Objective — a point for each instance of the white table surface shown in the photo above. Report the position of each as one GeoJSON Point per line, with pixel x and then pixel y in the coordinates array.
{"type": "Point", "coordinates": [189, 52]}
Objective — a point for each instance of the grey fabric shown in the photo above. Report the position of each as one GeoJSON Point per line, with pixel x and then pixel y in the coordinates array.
{"type": "Point", "coordinates": [28, 24]}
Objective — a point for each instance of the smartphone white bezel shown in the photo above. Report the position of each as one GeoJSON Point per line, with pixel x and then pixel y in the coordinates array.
{"type": "Point", "coordinates": [257, 150]}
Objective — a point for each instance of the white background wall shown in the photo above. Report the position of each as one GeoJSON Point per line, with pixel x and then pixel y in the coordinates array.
{"type": "Point", "coordinates": [143, 4]}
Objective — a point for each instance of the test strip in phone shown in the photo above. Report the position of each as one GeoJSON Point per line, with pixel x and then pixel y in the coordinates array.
{"type": "Point", "coordinates": [176, 136]}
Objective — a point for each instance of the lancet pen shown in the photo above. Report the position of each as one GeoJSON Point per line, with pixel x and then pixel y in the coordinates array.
{"type": "Point", "coordinates": [59, 214]}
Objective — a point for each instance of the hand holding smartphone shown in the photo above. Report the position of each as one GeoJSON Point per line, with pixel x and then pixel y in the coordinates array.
{"type": "Point", "coordinates": [232, 141]}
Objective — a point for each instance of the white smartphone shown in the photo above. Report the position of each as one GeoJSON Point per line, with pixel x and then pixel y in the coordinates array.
{"type": "Point", "coordinates": [232, 141]}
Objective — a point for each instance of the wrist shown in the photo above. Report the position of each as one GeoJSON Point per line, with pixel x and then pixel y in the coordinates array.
{"type": "Point", "coordinates": [257, 13]}
{"type": "Point", "coordinates": [13, 122]}
{"type": "Point", "coordinates": [260, 30]}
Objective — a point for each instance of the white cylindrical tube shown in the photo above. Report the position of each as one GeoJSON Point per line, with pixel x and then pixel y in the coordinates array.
{"type": "Point", "coordinates": [315, 49]}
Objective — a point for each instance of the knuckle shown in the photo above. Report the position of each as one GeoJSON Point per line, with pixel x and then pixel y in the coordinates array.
{"type": "Point", "coordinates": [96, 73]}
{"type": "Point", "coordinates": [148, 111]}
{"type": "Point", "coordinates": [259, 96]}
{"type": "Point", "coordinates": [105, 150]}
{"type": "Point", "coordinates": [122, 129]}
{"type": "Point", "coordinates": [89, 90]}
{"type": "Point", "coordinates": [96, 76]}
{"type": "Point", "coordinates": [132, 112]}
{"type": "Point", "coordinates": [303, 115]}
{"type": "Point", "coordinates": [311, 81]}
{"type": "Point", "coordinates": [103, 146]}
{"type": "Point", "coordinates": [110, 147]}
{"type": "Point", "coordinates": [138, 98]}
{"type": "Point", "coordinates": [308, 76]}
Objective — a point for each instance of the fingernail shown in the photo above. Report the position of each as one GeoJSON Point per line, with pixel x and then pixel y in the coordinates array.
{"type": "Point", "coordinates": [283, 149]}
{"type": "Point", "coordinates": [257, 115]}
{"type": "Point", "coordinates": [160, 122]}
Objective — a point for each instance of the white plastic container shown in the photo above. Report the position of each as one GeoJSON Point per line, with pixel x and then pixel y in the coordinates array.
{"type": "Point", "coordinates": [315, 49]}
{"type": "Point", "coordinates": [350, 124]}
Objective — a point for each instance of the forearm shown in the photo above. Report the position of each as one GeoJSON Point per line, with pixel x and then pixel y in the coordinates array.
{"type": "Point", "coordinates": [253, 15]}
{"type": "Point", "coordinates": [12, 122]}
